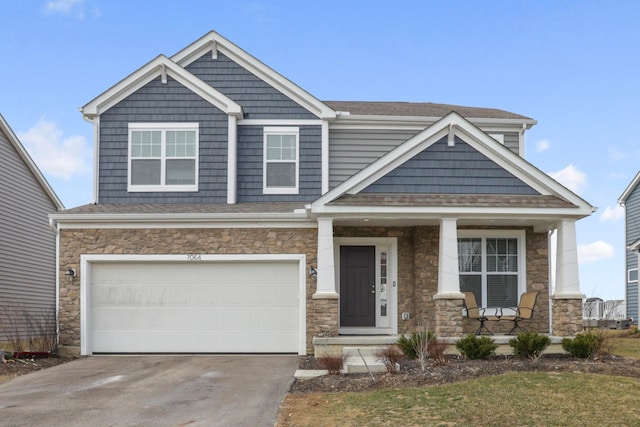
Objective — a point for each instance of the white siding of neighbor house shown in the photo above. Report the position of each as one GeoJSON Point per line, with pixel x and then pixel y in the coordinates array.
{"type": "Point", "coordinates": [27, 243]}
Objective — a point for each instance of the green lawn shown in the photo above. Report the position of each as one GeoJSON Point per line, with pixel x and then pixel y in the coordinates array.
{"type": "Point", "coordinates": [520, 399]}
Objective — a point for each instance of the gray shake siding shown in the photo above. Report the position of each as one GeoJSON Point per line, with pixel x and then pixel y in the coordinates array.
{"type": "Point", "coordinates": [441, 169]}
{"type": "Point", "coordinates": [512, 142]}
{"type": "Point", "coordinates": [632, 234]}
{"type": "Point", "coordinates": [168, 103]}
{"type": "Point", "coordinates": [27, 243]}
{"type": "Point", "coordinates": [258, 99]}
{"type": "Point", "coordinates": [351, 150]}
{"type": "Point", "coordinates": [250, 165]}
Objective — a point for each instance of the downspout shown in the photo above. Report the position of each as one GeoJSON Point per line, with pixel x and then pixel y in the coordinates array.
{"type": "Point", "coordinates": [551, 263]}
{"type": "Point", "coordinates": [232, 160]}
{"type": "Point", "coordinates": [95, 121]}
{"type": "Point", "coordinates": [56, 229]}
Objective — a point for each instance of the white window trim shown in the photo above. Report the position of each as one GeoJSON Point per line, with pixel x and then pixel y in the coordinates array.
{"type": "Point", "coordinates": [521, 235]}
{"type": "Point", "coordinates": [280, 131]}
{"type": "Point", "coordinates": [163, 127]}
{"type": "Point", "coordinates": [629, 275]}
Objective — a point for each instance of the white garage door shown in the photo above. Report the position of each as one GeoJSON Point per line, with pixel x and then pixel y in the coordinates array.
{"type": "Point", "coordinates": [178, 307]}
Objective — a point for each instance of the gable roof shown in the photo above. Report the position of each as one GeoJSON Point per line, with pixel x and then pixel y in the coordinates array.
{"type": "Point", "coordinates": [477, 139]}
{"type": "Point", "coordinates": [627, 192]}
{"type": "Point", "coordinates": [214, 43]}
{"type": "Point", "coordinates": [161, 66]}
{"type": "Point", "coordinates": [28, 161]}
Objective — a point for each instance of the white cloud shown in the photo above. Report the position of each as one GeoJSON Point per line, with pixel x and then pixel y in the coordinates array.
{"type": "Point", "coordinates": [571, 178]}
{"type": "Point", "coordinates": [612, 214]}
{"type": "Point", "coordinates": [55, 154]}
{"type": "Point", "coordinates": [543, 145]}
{"type": "Point", "coordinates": [595, 251]}
{"type": "Point", "coordinates": [65, 7]}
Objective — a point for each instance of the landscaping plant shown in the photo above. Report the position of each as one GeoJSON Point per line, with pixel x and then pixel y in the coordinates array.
{"type": "Point", "coordinates": [473, 347]}
{"type": "Point", "coordinates": [390, 356]}
{"type": "Point", "coordinates": [584, 346]}
{"type": "Point", "coordinates": [529, 345]}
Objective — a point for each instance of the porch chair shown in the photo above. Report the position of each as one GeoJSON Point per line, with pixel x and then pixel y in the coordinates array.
{"type": "Point", "coordinates": [523, 311]}
{"type": "Point", "coordinates": [477, 313]}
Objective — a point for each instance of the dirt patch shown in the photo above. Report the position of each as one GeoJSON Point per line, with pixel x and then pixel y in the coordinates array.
{"type": "Point", "coordinates": [17, 367]}
{"type": "Point", "coordinates": [459, 369]}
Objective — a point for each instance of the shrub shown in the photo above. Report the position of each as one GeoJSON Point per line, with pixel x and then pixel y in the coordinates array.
{"type": "Point", "coordinates": [473, 347]}
{"type": "Point", "coordinates": [529, 344]}
{"type": "Point", "coordinates": [390, 356]}
{"type": "Point", "coordinates": [436, 351]}
{"type": "Point", "coordinates": [584, 345]}
{"type": "Point", "coordinates": [333, 364]}
{"type": "Point", "coordinates": [410, 346]}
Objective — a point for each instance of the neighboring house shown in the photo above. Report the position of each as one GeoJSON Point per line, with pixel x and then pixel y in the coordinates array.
{"type": "Point", "coordinates": [630, 200]}
{"type": "Point", "coordinates": [27, 242]}
{"type": "Point", "coordinates": [236, 212]}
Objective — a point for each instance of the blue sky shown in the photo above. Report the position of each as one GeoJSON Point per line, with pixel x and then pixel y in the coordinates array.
{"type": "Point", "coordinates": [571, 65]}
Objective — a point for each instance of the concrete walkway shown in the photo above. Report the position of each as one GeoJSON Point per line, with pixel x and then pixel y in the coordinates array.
{"type": "Point", "coordinates": [229, 390]}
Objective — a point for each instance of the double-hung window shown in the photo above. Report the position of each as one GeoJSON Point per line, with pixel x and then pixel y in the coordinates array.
{"type": "Point", "coordinates": [281, 160]}
{"type": "Point", "coordinates": [492, 266]}
{"type": "Point", "coordinates": [163, 157]}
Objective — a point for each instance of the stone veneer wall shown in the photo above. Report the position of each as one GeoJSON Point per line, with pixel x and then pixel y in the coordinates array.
{"type": "Point", "coordinates": [567, 317]}
{"type": "Point", "coordinates": [73, 243]}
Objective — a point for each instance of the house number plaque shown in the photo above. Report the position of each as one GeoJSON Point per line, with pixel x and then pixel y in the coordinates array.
{"type": "Point", "coordinates": [194, 257]}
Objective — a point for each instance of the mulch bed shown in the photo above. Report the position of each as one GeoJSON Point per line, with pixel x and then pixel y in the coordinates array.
{"type": "Point", "coordinates": [459, 369]}
{"type": "Point", "coordinates": [19, 367]}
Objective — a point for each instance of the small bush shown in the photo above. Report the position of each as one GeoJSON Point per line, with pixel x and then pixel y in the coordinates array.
{"type": "Point", "coordinates": [390, 356]}
{"type": "Point", "coordinates": [473, 347]}
{"type": "Point", "coordinates": [529, 345]}
{"type": "Point", "coordinates": [410, 345]}
{"type": "Point", "coordinates": [333, 364]}
{"type": "Point", "coordinates": [436, 351]}
{"type": "Point", "coordinates": [584, 345]}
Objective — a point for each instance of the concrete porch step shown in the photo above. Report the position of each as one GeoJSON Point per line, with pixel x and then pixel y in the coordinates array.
{"type": "Point", "coordinates": [354, 363]}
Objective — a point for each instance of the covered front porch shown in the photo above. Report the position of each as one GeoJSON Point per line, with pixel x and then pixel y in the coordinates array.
{"type": "Point", "coordinates": [415, 279]}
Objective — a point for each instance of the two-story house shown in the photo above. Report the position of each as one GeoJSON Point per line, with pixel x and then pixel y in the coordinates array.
{"type": "Point", "coordinates": [236, 212]}
{"type": "Point", "coordinates": [630, 200]}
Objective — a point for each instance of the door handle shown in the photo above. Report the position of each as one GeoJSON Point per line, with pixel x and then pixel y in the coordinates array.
{"type": "Point", "coordinates": [373, 289]}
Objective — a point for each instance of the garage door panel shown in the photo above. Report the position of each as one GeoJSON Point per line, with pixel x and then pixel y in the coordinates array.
{"type": "Point", "coordinates": [195, 307]}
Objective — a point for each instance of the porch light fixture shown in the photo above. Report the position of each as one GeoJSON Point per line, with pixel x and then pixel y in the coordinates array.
{"type": "Point", "coordinates": [71, 273]}
{"type": "Point", "coordinates": [313, 273]}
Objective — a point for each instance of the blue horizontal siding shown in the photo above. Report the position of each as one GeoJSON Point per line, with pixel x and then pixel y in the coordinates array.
{"type": "Point", "coordinates": [441, 169]}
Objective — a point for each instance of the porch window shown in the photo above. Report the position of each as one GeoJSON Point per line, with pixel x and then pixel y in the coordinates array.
{"type": "Point", "coordinates": [163, 157]}
{"type": "Point", "coordinates": [492, 267]}
{"type": "Point", "coordinates": [281, 155]}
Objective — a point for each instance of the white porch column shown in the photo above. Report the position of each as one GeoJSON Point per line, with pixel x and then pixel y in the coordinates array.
{"type": "Point", "coordinates": [326, 278]}
{"type": "Point", "coordinates": [448, 277]}
{"type": "Point", "coordinates": [567, 284]}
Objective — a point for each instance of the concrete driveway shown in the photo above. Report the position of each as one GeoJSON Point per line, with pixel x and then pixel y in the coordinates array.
{"type": "Point", "coordinates": [151, 391]}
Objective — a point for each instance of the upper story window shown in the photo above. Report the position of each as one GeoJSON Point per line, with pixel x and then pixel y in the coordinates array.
{"type": "Point", "coordinates": [281, 160]}
{"type": "Point", "coordinates": [492, 265]}
{"type": "Point", "coordinates": [163, 157]}
{"type": "Point", "coordinates": [632, 275]}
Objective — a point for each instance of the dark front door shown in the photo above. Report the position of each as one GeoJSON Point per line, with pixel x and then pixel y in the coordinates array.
{"type": "Point", "coordinates": [357, 286]}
